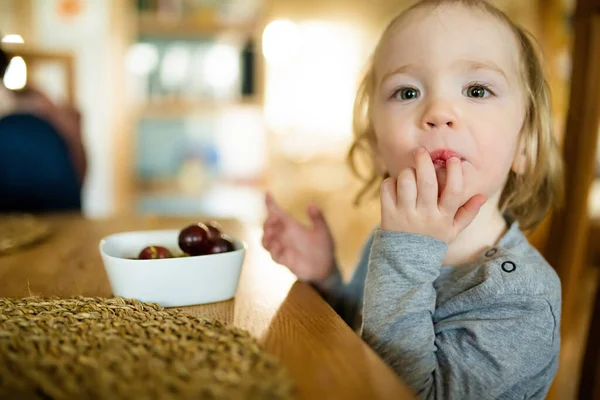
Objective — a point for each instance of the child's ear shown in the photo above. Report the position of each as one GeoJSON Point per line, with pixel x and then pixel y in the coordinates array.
{"type": "Point", "coordinates": [520, 161]}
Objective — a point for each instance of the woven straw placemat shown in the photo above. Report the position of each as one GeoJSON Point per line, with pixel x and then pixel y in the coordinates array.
{"type": "Point", "coordinates": [19, 230]}
{"type": "Point", "coordinates": [93, 348]}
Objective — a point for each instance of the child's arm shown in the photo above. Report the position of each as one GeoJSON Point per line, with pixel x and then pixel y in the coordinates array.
{"type": "Point", "coordinates": [482, 343]}
{"type": "Point", "coordinates": [347, 299]}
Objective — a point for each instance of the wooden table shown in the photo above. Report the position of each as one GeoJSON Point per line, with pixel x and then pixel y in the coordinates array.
{"type": "Point", "coordinates": [325, 357]}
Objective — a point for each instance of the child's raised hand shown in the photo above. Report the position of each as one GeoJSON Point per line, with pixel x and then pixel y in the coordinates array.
{"type": "Point", "coordinates": [411, 204]}
{"type": "Point", "coordinates": [307, 251]}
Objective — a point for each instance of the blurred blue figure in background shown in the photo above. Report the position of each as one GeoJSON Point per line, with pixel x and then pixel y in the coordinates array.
{"type": "Point", "coordinates": [42, 159]}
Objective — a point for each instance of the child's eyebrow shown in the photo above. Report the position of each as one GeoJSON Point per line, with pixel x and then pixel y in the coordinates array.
{"type": "Point", "coordinates": [488, 64]}
{"type": "Point", "coordinates": [400, 70]}
{"type": "Point", "coordinates": [469, 64]}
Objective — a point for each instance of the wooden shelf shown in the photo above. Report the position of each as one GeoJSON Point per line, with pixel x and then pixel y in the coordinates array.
{"type": "Point", "coordinates": [152, 24]}
{"type": "Point", "coordinates": [172, 188]}
{"type": "Point", "coordinates": [34, 56]}
{"type": "Point", "coordinates": [157, 186]}
{"type": "Point", "coordinates": [203, 24]}
{"type": "Point", "coordinates": [182, 107]}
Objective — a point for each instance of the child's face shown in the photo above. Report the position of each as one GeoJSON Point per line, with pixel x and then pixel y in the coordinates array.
{"type": "Point", "coordinates": [449, 79]}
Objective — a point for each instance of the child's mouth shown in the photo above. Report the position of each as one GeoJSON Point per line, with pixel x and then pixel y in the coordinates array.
{"type": "Point", "coordinates": [439, 157]}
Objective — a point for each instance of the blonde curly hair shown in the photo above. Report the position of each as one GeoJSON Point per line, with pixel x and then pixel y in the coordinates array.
{"type": "Point", "coordinates": [529, 196]}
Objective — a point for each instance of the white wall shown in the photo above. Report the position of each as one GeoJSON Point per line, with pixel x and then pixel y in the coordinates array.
{"type": "Point", "coordinates": [88, 37]}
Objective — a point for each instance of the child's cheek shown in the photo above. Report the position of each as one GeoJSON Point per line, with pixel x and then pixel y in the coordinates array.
{"type": "Point", "coordinates": [394, 162]}
{"type": "Point", "coordinates": [488, 178]}
{"type": "Point", "coordinates": [395, 140]}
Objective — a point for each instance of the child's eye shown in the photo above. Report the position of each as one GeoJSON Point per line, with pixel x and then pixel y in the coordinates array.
{"type": "Point", "coordinates": [478, 91]}
{"type": "Point", "coordinates": [406, 93]}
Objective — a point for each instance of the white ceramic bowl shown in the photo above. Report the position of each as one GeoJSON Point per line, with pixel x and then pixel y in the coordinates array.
{"type": "Point", "coordinates": [170, 282]}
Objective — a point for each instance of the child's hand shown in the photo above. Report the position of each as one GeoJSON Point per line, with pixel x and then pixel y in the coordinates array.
{"type": "Point", "coordinates": [307, 251]}
{"type": "Point", "coordinates": [411, 204]}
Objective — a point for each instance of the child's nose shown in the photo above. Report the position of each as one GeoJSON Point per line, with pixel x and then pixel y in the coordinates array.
{"type": "Point", "coordinates": [450, 124]}
{"type": "Point", "coordinates": [439, 115]}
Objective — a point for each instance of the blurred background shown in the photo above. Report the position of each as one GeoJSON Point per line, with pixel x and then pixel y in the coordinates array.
{"type": "Point", "coordinates": [197, 107]}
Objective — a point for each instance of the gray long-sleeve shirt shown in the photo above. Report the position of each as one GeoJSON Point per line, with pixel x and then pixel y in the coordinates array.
{"type": "Point", "coordinates": [489, 329]}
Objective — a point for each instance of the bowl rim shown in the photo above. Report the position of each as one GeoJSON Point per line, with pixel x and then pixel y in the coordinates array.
{"type": "Point", "coordinates": [243, 247]}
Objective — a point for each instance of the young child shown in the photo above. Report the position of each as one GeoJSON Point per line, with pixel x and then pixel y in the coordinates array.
{"type": "Point", "coordinates": [454, 111]}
